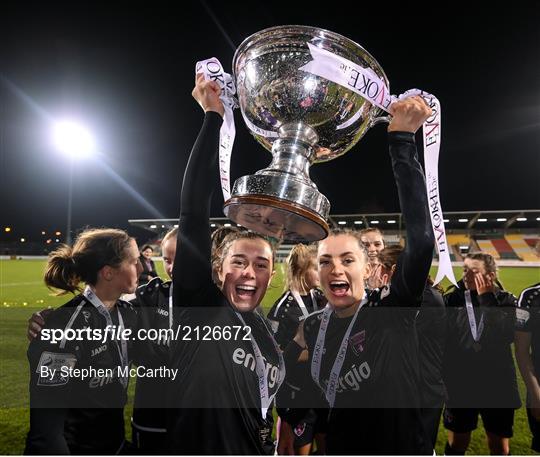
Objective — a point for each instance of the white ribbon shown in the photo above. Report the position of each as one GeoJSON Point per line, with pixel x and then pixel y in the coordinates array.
{"type": "Point", "coordinates": [122, 345]}
{"type": "Point", "coordinates": [301, 303]}
{"type": "Point", "coordinates": [171, 307]}
{"type": "Point", "coordinates": [213, 71]}
{"type": "Point", "coordinates": [476, 332]}
{"type": "Point", "coordinates": [260, 367]}
{"type": "Point", "coordinates": [318, 351]}
{"type": "Point", "coordinates": [366, 83]}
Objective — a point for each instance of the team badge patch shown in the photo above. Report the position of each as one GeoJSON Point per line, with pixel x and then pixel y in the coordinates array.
{"type": "Point", "coordinates": [357, 342]}
{"type": "Point", "coordinates": [50, 367]}
{"type": "Point", "coordinates": [300, 429]}
{"type": "Point", "coordinates": [522, 316]}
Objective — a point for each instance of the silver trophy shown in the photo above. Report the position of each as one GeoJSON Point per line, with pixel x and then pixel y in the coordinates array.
{"type": "Point", "coordinates": [302, 119]}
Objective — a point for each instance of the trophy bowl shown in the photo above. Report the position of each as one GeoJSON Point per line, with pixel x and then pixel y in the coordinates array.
{"type": "Point", "coordinates": [302, 119]}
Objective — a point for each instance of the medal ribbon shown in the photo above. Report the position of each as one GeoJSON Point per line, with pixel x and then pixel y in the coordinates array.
{"type": "Point", "coordinates": [316, 360]}
{"type": "Point", "coordinates": [260, 368]}
{"type": "Point", "coordinates": [120, 345]}
{"type": "Point", "coordinates": [476, 332]}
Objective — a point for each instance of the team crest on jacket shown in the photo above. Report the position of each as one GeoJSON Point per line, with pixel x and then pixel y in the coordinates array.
{"type": "Point", "coordinates": [300, 429]}
{"type": "Point", "coordinates": [357, 342]}
{"type": "Point", "coordinates": [53, 367]}
{"type": "Point", "coordinates": [522, 316]}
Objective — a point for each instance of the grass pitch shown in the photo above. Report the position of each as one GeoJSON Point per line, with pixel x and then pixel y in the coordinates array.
{"type": "Point", "coordinates": [22, 292]}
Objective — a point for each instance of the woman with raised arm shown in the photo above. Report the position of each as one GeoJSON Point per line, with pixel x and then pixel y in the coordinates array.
{"type": "Point", "coordinates": [363, 350]}
{"type": "Point", "coordinates": [230, 365]}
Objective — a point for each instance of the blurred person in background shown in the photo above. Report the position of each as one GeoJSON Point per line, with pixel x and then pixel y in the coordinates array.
{"type": "Point", "coordinates": [148, 266]}
{"type": "Point", "coordinates": [478, 367]}
{"type": "Point", "coordinates": [373, 242]}
{"type": "Point", "coordinates": [527, 344]}
{"type": "Point", "coordinates": [302, 297]}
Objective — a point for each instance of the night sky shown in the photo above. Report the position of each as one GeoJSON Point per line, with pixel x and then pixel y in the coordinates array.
{"type": "Point", "coordinates": [127, 69]}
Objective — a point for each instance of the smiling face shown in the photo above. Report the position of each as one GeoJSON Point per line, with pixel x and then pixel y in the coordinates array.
{"type": "Point", "coordinates": [246, 272]}
{"type": "Point", "coordinates": [373, 243]}
{"type": "Point", "coordinates": [147, 253]}
{"type": "Point", "coordinates": [342, 270]}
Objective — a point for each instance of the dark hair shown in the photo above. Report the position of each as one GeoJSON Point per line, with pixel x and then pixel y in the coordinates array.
{"type": "Point", "coordinates": [388, 257]}
{"type": "Point", "coordinates": [219, 235]}
{"type": "Point", "coordinates": [488, 259]}
{"type": "Point", "coordinates": [93, 249]}
{"type": "Point", "coordinates": [147, 246]}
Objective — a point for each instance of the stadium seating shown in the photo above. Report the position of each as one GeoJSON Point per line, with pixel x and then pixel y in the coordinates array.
{"type": "Point", "coordinates": [504, 249]}
{"type": "Point", "coordinates": [454, 242]}
{"type": "Point", "coordinates": [523, 247]}
{"type": "Point", "coordinates": [531, 241]}
{"type": "Point", "coordinates": [487, 246]}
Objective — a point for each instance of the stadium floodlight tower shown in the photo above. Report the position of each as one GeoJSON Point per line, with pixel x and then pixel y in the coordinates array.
{"type": "Point", "coordinates": [76, 142]}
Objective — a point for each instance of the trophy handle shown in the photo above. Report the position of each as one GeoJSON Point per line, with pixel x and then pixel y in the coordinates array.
{"type": "Point", "coordinates": [380, 120]}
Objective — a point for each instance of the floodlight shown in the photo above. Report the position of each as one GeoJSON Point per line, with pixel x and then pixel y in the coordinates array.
{"type": "Point", "coordinates": [73, 139]}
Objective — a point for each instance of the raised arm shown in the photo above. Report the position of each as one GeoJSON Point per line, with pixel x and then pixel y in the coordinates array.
{"type": "Point", "coordinates": [192, 266]}
{"type": "Point", "coordinates": [414, 263]}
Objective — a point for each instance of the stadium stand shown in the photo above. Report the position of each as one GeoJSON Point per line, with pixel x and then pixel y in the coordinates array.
{"type": "Point", "coordinates": [532, 242]}
{"type": "Point", "coordinates": [523, 247]}
{"type": "Point", "coordinates": [458, 243]}
{"type": "Point", "coordinates": [487, 246]}
{"type": "Point", "coordinates": [508, 235]}
{"type": "Point", "coordinates": [504, 249]}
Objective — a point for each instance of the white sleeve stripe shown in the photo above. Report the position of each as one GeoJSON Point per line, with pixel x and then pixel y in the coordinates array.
{"type": "Point", "coordinates": [280, 303]}
{"type": "Point", "coordinates": [70, 323]}
{"type": "Point", "coordinates": [148, 429]}
{"type": "Point", "coordinates": [521, 296]}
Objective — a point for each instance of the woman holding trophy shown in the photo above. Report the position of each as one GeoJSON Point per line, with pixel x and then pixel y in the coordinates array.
{"type": "Point", "coordinates": [363, 349]}
{"type": "Point", "coordinates": [222, 400]}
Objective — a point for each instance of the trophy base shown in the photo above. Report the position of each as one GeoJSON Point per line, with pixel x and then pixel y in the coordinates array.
{"type": "Point", "coordinates": [275, 217]}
